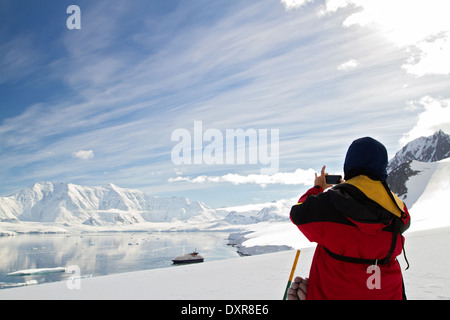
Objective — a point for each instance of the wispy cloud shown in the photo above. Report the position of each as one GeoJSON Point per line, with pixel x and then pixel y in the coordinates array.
{"type": "Point", "coordinates": [434, 115]}
{"type": "Point", "coordinates": [18, 59]}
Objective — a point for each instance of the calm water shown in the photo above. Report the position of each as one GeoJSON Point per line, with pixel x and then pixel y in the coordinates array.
{"type": "Point", "coordinates": [102, 254]}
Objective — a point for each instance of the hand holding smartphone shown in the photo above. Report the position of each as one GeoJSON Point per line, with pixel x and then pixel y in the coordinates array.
{"type": "Point", "coordinates": [325, 180]}
{"type": "Point", "coordinates": [333, 179]}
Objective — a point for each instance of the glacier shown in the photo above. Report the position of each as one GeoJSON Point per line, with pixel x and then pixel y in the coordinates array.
{"type": "Point", "coordinates": [67, 205]}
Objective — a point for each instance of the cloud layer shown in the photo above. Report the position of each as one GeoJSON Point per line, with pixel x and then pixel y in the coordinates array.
{"type": "Point", "coordinates": [434, 115]}
{"type": "Point", "coordinates": [298, 177]}
{"type": "Point", "coordinates": [422, 27]}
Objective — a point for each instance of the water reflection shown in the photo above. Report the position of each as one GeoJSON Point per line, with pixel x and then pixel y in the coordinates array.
{"type": "Point", "coordinates": [102, 254]}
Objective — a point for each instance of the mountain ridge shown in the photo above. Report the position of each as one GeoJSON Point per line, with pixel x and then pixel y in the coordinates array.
{"type": "Point", "coordinates": [424, 149]}
{"type": "Point", "coordinates": [403, 166]}
{"type": "Point", "coordinates": [71, 203]}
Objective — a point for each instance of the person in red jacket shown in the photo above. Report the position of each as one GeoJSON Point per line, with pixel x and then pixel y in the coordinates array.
{"type": "Point", "coordinates": [358, 226]}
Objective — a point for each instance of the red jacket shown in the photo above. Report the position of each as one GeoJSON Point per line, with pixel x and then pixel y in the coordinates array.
{"type": "Point", "coordinates": [353, 220]}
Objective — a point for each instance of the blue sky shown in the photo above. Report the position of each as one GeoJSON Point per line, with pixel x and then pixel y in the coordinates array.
{"type": "Point", "coordinates": [99, 105]}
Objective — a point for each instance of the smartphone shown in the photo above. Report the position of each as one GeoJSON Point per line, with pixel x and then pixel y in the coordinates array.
{"type": "Point", "coordinates": [333, 179]}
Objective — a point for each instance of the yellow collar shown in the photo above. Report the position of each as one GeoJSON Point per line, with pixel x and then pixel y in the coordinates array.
{"type": "Point", "coordinates": [374, 190]}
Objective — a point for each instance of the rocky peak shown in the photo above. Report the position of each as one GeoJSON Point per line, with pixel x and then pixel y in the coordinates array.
{"type": "Point", "coordinates": [423, 149]}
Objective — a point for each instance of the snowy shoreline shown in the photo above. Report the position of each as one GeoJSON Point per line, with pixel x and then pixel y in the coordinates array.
{"type": "Point", "coordinates": [18, 228]}
{"type": "Point", "coordinates": [259, 277]}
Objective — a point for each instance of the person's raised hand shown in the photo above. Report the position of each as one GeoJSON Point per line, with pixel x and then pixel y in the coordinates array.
{"type": "Point", "coordinates": [321, 180]}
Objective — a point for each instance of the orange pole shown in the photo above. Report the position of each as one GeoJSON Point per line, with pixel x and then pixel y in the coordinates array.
{"type": "Point", "coordinates": [291, 276]}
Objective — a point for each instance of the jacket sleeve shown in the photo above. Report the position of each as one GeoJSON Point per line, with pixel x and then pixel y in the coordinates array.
{"type": "Point", "coordinates": [313, 191]}
{"type": "Point", "coordinates": [299, 213]}
{"type": "Point", "coordinates": [314, 213]}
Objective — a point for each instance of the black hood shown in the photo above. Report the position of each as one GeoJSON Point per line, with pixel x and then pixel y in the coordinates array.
{"type": "Point", "coordinates": [366, 156]}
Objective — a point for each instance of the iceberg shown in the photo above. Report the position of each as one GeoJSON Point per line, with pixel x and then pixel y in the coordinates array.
{"type": "Point", "coordinates": [28, 272]}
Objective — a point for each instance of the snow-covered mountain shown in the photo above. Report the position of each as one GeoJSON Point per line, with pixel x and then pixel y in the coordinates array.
{"type": "Point", "coordinates": [420, 174]}
{"type": "Point", "coordinates": [60, 207]}
{"type": "Point", "coordinates": [417, 158]}
{"type": "Point", "coordinates": [67, 203]}
{"type": "Point", "coordinates": [424, 187]}
{"type": "Point", "coordinates": [249, 214]}
{"type": "Point", "coordinates": [423, 149]}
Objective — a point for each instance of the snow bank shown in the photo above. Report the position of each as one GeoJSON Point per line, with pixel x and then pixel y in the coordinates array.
{"type": "Point", "coordinates": [428, 253]}
{"type": "Point", "coordinates": [431, 209]}
{"type": "Point", "coordinates": [267, 237]}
